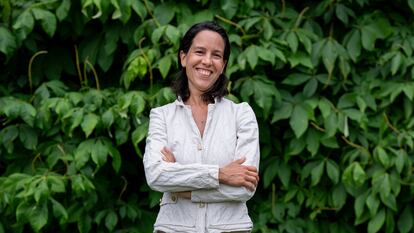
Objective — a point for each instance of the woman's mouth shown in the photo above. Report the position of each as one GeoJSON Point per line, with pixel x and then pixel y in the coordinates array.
{"type": "Point", "coordinates": [204, 72]}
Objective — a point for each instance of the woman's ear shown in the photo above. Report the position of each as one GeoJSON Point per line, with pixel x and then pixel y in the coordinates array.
{"type": "Point", "coordinates": [182, 58]}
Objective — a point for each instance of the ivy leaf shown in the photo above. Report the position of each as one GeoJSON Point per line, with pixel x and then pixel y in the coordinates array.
{"type": "Point", "coordinates": [339, 195]}
{"type": "Point", "coordinates": [284, 112]}
{"type": "Point", "coordinates": [164, 65]}
{"type": "Point", "coordinates": [266, 55]}
{"type": "Point", "coordinates": [47, 20]}
{"type": "Point", "coordinates": [299, 120]}
{"type": "Point", "coordinates": [7, 41]}
{"type": "Point", "coordinates": [89, 123]}
{"type": "Point", "coordinates": [24, 23]}
{"type": "Point", "coordinates": [375, 224]}
{"type": "Point", "coordinates": [58, 210]}
{"type": "Point", "coordinates": [28, 136]}
{"type": "Point", "coordinates": [139, 8]}
{"type": "Point", "coordinates": [39, 216]}
{"type": "Point", "coordinates": [229, 8]}
{"type": "Point", "coordinates": [139, 134]}
{"type": "Point", "coordinates": [329, 55]}
{"type": "Point", "coordinates": [164, 13]}
{"type": "Point", "coordinates": [252, 55]}
{"type": "Point", "coordinates": [333, 171]}
{"type": "Point", "coordinates": [411, 4]}
{"type": "Point", "coordinates": [359, 175]}
{"type": "Point", "coordinates": [111, 220]}
{"type": "Point", "coordinates": [63, 10]}
{"type": "Point", "coordinates": [99, 152]}
{"type": "Point", "coordinates": [405, 221]}
{"type": "Point", "coordinates": [317, 172]}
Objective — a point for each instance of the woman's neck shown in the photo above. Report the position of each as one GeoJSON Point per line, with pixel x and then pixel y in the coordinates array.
{"type": "Point", "coordinates": [196, 100]}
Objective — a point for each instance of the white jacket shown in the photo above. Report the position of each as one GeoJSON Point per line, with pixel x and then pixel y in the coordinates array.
{"type": "Point", "coordinates": [231, 132]}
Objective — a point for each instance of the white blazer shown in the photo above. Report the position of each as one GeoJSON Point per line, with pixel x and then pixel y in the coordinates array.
{"type": "Point", "coordinates": [231, 132]}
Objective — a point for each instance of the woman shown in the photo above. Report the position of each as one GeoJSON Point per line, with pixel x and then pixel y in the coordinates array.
{"type": "Point", "coordinates": [202, 151]}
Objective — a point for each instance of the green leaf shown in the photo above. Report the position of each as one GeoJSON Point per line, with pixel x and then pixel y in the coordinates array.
{"type": "Point", "coordinates": [27, 112]}
{"type": "Point", "coordinates": [329, 55]}
{"type": "Point", "coordinates": [56, 183]}
{"type": "Point", "coordinates": [270, 172]}
{"type": "Point", "coordinates": [24, 23]}
{"type": "Point", "coordinates": [284, 173]}
{"type": "Point", "coordinates": [375, 224]}
{"type": "Point", "coordinates": [396, 62]}
{"type": "Point", "coordinates": [292, 40]}
{"type": "Point", "coordinates": [312, 141]}
{"type": "Point", "coordinates": [7, 42]}
{"type": "Point", "coordinates": [63, 10]}
{"type": "Point", "coordinates": [299, 120]}
{"type": "Point", "coordinates": [89, 123]}
{"type": "Point", "coordinates": [99, 152]}
{"type": "Point", "coordinates": [325, 107]}
{"type": "Point", "coordinates": [284, 112]}
{"type": "Point", "coordinates": [229, 8]}
{"type": "Point", "coordinates": [47, 20]}
{"type": "Point", "coordinates": [296, 79]}
{"type": "Point", "coordinates": [310, 88]}
{"type": "Point", "coordinates": [411, 4]}
{"type": "Point", "coordinates": [359, 204]}
{"type": "Point", "coordinates": [405, 221]}
{"type": "Point", "coordinates": [111, 220]}
{"type": "Point", "coordinates": [108, 118]}
{"type": "Point", "coordinates": [266, 55]}
{"type": "Point", "coordinates": [28, 136]}
{"type": "Point", "coordinates": [339, 197]}
{"type": "Point", "coordinates": [354, 45]}
{"type": "Point", "coordinates": [8, 135]}
{"type": "Point", "coordinates": [139, 8]}
{"type": "Point", "coordinates": [333, 171]}
{"type": "Point", "coordinates": [139, 134]}
{"type": "Point", "coordinates": [173, 34]}
{"type": "Point", "coordinates": [116, 157]}
{"type": "Point", "coordinates": [39, 216]}
{"type": "Point", "coordinates": [382, 156]}
{"type": "Point", "coordinates": [317, 172]}
{"type": "Point", "coordinates": [164, 13]}
{"type": "Point", "coordinates": [58, 210]}
{"type": "Point", "coordinates": [252, 55]}
{"type": "Point", "coordinates": [381, 184]}
{"type": "Point", "coordinates": [359, 175]}
{"type": "Point", "coordinates": [164, 65]}
{"type": "Point", "coordinates": [373, 203]}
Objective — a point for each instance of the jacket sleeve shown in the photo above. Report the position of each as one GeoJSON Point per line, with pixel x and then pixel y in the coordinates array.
{"type": "Point", "coordinates": [172, 177]}
{"type": "Point", "coordinates": [248, 146]}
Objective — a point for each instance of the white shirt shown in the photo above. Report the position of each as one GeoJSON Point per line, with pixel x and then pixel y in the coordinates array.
{"type": "Point", "coordinates": [230, 133]}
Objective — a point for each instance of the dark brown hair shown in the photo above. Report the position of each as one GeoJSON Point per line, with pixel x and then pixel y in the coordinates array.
{"type": "Point", "coordinates": [219, 88]}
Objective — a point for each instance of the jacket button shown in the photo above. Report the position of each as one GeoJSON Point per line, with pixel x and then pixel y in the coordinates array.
{"type": "Point", "coordinates": [199, 147]}
{"type": "Point", "coordinates": [201, 205]}
{"type": "Point", "coordinates": [173, 198]}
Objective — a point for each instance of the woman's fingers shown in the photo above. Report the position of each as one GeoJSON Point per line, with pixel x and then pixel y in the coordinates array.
{"type": "Point", "coordinates": [167, 155]}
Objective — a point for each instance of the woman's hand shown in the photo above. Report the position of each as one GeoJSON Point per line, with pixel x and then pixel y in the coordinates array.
{"type": "Point", "coordinates": [167, 155]}
{"type": "Point", "coordinates": [236, 174]}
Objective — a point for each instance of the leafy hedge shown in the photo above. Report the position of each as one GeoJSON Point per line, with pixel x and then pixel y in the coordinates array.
{"type": "Point", "coordinates": [331, 83]}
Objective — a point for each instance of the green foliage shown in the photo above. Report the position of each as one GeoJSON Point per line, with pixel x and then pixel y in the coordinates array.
{"type": "Point", "coordinates": [331, 83]}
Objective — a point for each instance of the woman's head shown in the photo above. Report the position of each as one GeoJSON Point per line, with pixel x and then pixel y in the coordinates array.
{"type": "Point", "coordinates": [202, 58]}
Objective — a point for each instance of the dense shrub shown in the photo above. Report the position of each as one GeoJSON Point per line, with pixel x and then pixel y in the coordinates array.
{"type": "Point", "coordinates": [331, 83]}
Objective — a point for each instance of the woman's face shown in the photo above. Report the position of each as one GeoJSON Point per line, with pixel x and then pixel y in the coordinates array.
{"type": "Point", "coordinates": [204, 61]}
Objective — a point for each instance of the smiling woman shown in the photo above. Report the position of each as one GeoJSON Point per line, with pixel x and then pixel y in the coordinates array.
{"type": "Point", "coordinates": [202, 151]}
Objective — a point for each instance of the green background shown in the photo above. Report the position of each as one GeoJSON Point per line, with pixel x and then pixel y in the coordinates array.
{"type": "Point", "coordinates": [331, 83]}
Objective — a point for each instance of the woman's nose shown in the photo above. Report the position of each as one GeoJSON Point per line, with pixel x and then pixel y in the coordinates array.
{"type": "Point", "coordinates": [207, 60]}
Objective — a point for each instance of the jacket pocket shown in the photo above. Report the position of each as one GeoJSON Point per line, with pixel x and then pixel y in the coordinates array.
{"type": "Point", "coordinates": [229, 216]}
{"type": "Point", "coordinates": [175, 212]}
